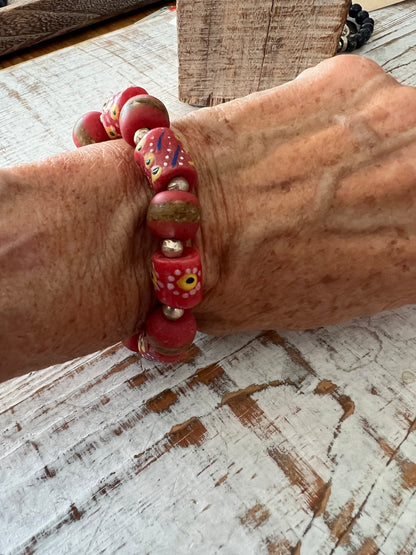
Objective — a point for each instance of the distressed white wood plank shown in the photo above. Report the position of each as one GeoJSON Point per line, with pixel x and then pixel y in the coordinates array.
{"type": "Point", "coordinates": [276, 442]}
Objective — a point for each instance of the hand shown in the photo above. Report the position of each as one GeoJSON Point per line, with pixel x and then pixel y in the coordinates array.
{"type": "Point", "coordinates": [308, 195]}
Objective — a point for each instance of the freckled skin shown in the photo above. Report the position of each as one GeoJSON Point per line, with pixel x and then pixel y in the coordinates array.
{"type": "Point", "coordinates": [308, 196]}
{"type": "Point", "coordinates": [307, 193]}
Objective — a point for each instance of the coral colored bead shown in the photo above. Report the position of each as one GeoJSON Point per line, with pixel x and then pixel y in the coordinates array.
{"type": "Point", "coordinates": [112, 108]}
{"type": "Point", "coordinates": [174, 215]}
{"type": "Point", "coordinates": [88, 130]}
{"type": "Point", "coordinates": [132, 343]}
{"type": "Point", "coordinates": [140, 112]}
{"type": "Point", "coordinates": [178, 281]}
{"type": "Point", "coordinates": [161, 157]}
{"type": "Point", "coordinates": [170, 337]}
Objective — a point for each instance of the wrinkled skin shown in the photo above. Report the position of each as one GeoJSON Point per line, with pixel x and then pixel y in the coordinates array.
{"type": "Point", "coordinates": [309, 196]}
{"type": "Point", "coordinates": [308, 193]}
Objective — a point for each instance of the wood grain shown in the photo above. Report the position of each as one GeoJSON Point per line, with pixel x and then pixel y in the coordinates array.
{"type": "Point", "coordinates": [27, 22]}
{"type": "Point", "coordinates": [266, 443]}
{"type": "Point", "coordinates": [230, 49]}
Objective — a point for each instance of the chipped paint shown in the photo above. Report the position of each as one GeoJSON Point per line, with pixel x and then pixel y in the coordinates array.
{"type": "Point", "coordinates": [283, 443]}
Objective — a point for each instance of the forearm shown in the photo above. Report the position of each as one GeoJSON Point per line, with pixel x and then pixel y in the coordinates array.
{"type": "Point", "coordinates": [307, 192]}
{"type": "Point", "coordinates": [74, 256]}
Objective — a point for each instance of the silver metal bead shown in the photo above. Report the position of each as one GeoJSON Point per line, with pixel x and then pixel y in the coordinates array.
{"type": "Point", "coordinates": [172, 248]}
{"type": "Point", "coordinates": [178, 184]}
{"type": "Point", "coordinates": [342, 45]}
{"type": "Point", "coordinates": [140, 133]}
{"type": "Point", "coordinates": [172, 313]}
{"type": "Point", "coordinates": [345, 31]}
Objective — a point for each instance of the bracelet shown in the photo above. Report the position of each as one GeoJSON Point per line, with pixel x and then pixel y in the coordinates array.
{"type": "Point", "coordinates": [173, 215]}
{"type": "Point", "coordinates": [353, 36]}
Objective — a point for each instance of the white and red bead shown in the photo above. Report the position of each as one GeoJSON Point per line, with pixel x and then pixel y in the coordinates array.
{"type": "Point", "coordinates": [178, 281]}
{"type": "Point", "coordinates": [161, 157]}
{"type": "Point", "coordinates": [112, 109]}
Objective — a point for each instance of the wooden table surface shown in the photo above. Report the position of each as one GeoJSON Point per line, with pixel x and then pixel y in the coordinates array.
{"type": "Point", "coordinates": [271, 442]}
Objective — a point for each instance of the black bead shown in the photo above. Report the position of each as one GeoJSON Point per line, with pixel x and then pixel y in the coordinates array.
{"type": "Point", "coordinates": [359, 18]}
{"type": "Point", "coordinates": [368, 20]}
{"type": "Point", "coordinates": [360, 39]}
{"type": "Point", "coordinates": [352, 43]}
{"type": "Point", "coordinates": [355, 8]}
{"type": "Point", "coordinates": [365, 33]}
{"type": "Point", "coordinates": [368, 27]}
{"type": "Point", "coordinates": [3, 3]}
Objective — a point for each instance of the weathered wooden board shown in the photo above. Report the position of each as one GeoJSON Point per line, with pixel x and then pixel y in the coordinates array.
{"type": "Point", "coordinates": [273, 442]}
{"type": "Point", "coordinates": [27, 22]}
{"type": "Point", "coordinates": [229, 49]}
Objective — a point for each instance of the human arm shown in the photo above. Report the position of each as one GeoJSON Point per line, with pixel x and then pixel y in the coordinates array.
{"type": "Point", "coordinates": [308, 196]}
{"type": "Point", "coordinates": [73, 256]}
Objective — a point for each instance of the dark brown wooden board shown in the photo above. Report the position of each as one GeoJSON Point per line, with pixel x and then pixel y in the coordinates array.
{"type": "Point", "coordinates": [24, 23]}
{"type": "Point", "coordinates": [228, 48]}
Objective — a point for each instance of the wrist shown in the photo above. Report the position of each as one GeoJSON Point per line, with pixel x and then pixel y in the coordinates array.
{"type": "Point", "coordinates": [173, 216]}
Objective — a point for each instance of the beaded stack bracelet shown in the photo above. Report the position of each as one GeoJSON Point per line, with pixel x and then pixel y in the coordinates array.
{"type": "Point", "coordinates": [353, 36]}
{"type": "Point", "coordinates": [173, 215]}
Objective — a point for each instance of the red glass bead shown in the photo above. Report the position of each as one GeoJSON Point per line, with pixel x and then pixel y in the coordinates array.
{"type": "Point", "coordinates": [161, 157]}
{"type": "Point", "coordinates": [88, 130]}
{"type": "Point", "coordinates": [142, 111]}
{"type": "Point", "coordinates": [174, 215]}
{"type": "Point", "coordinates": [178, 281]}
{"type": "Point", "coordinates": [170, 337]}
{"type": "Point", "coordinates": [112, 108]}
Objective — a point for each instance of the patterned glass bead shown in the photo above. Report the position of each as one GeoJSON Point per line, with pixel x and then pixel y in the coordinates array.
{"type": "Point", "coordinates": [112, 108]}
{"type": "Point", "coordinates": [140, 112]}
{"type": "Point", "coordinates": [178, 281]}
{"type": "Point", "coordinates": [174, 215]}
{"type": "Point", "coordinates": [162, 158]}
